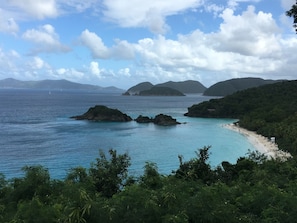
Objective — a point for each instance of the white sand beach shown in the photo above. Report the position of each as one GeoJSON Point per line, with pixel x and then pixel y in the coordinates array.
{"type": "Point", "coordinates": [261, 143]}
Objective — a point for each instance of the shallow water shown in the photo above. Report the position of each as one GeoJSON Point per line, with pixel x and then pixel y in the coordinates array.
{"type": "Point", "coordinates": [35, 128]}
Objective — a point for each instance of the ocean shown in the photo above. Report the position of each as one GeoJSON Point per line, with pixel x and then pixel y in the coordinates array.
{"type": "Point", "coordinates": [36, 129]}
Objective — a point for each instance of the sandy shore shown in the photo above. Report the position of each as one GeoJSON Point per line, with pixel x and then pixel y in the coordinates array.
{"type": "Point", "coordinates": [261, 143]}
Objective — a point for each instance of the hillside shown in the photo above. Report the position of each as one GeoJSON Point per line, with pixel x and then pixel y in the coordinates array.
{"type": "Point", "coordinates": [53, 85]}
{"type": "Point", "coordinates": [161, 91]}
{"type": "Point", "coordinates": [139, 87]}
{"type": "Point", "coordinates": [270, 110]}
{"type": "Point", "coordinates": [231, 86]}
{"type": "Point", "coordinates": [186, 87]}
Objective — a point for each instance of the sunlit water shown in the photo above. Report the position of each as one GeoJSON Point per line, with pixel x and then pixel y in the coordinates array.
{"type": "Point", "coordinates": [35, 128]}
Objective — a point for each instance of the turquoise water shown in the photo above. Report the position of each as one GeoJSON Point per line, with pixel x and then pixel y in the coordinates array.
{"type": "Point", "coordinates": [35, 128]}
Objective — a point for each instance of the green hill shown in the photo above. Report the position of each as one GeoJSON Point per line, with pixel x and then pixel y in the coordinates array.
{"type": "Point", "coordinates": [161, 91]}
{"type": "Point", "coordinates": [231, 86]}
{"type": "Point", "coordinates": [186, 87]}
{"type": "Point", "coordinates": [270, 110]}
{"type": "Point", "coordinates": [138, 88]}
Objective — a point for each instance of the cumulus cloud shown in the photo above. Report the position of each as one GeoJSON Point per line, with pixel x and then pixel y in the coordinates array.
{"type": "Point", "coordinates": [36, 8]}
{"type": "Point", "coordinates": [248, 34]}
{"type": "Point", "coordinates": [95, 44]}
{"type": "Point", "coordinates": [121, 50]}
{"type": "Point", "coordinates": [45, 39]}
{"type": "Point", "coordinates": [94, 69]}
{"type": "Point", "coordinates": [8, 25]}
{"type": "Point", "coordinates": [246, 44]}
{"type": "Point", "coordinates": [150, 14]}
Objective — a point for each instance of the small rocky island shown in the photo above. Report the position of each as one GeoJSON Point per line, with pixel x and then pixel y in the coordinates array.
{"type": "Point", "coordinates": [164, 120]}
{"type": "Point", "coordinates": [103, 113]}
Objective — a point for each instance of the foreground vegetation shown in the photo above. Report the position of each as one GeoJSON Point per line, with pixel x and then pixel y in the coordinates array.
{"type": "Point", "coordinates": [252, 190]}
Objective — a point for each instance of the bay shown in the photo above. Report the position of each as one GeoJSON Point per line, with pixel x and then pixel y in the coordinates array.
{"type": "Point", "coordinates": [35, 129]}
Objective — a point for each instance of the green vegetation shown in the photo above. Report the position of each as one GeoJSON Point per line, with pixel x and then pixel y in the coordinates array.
{"type": "Point", "coordinates": [252, 190]}
{"type": "Point", "coordinates": [168, 88]}
{"type": "Point", "coordinates": [233, 85]}
{"type": "Point", "coordinates": [161, 91]}
{"type": "Point", "coordinates": [270, 110]}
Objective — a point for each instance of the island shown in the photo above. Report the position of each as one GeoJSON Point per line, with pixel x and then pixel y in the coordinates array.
{"type": "Point", "coordinates": [169, 88]}
{"type": "Point", "coordinates": [161, 119]}
{"type": "Point", "coordinates": [161, 91]}
{"type": "Point", "coordinates": [103, 113]}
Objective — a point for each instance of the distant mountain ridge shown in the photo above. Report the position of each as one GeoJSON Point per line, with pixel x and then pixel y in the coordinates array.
{"type": "Point", "coordinates": [184, 87]}
{"type": "Point", "coordinates": [231, 86]}
{"type": "Point", "coordinates": [53, 85]}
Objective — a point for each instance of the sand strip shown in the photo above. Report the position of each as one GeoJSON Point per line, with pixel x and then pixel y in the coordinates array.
{"type": "Point", "coordinates": [260, 143]}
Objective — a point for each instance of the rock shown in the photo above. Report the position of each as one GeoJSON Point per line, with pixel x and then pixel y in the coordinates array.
{"type": "Point", "coordinates": [143, 119]}
{"type": "Point", "coordinates": [165, 120]}
{"type": "Point", "coordinates": [103, 113]}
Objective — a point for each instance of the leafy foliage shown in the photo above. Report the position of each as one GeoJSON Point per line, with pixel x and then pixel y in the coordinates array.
{"type": "Point", "coordinates": [254, 189]}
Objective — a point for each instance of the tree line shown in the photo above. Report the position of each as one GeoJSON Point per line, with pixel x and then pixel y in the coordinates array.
{"type": "Point", "coordinates": [254, 189]}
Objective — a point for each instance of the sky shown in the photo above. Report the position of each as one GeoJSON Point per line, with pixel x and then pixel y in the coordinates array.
{"type": "Point", "coordinates": [124, 42]}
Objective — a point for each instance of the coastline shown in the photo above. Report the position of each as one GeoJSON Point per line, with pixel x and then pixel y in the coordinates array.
{"type": "Point", "coordinates": [260, 143]}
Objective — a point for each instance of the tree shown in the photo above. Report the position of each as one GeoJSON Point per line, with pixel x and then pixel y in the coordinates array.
{"type": "Point", "coordinates": [293, 13]}
{"type": "Point", "coordinates": [197, 168]}
{"type": "Point", "coordinates": [109, 175]}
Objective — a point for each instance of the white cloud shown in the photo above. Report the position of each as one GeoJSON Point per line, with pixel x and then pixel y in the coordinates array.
{"type": "Point", "coordinates": [7, 25]}
{"type": "Point", "coordinates": [45, 39]}
{"type": "Point", "coordinates": [36, 8]}
{"type": "Point", "coordinates": [125, 72]}
{"type": "Point", "coordinates": [94, 69]}
{"type": "Point", "coordinates": [121, 50]}
{"type": "Point", "coordinates": [37, 63]}
{"type": "Point", "coordinates": [232, 4]}
{"type": "Point", "coordinates": [151, 14]}
{"type": "Point", "coordinates": [248, 34]}
{"type": "Point", "coordinates": [95, 44]}
{"type": "Point", "coordinates": [247, 44]}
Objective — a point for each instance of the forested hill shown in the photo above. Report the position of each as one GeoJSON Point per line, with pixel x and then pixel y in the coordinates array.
{"type": "Point", "coordinates": [231, 86]}
{"type": "Point", "coordinates": [185, 87]}
{"type": "Point", "coordinates": [271, 110]}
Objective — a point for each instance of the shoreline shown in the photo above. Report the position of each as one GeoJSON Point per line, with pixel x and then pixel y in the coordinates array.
{"type": "Point", "coordinates": [260, 143]}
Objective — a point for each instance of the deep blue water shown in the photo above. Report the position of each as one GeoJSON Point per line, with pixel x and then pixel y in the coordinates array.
{"type": "Point", "coordinates": [35, 128]}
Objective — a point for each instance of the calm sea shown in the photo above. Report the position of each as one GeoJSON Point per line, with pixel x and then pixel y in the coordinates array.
{"type": "Point", "coordinates": [35, 128]}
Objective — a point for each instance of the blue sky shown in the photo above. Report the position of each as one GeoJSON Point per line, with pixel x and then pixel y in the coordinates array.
{"type": "Point", "coordinates": [121, 43]}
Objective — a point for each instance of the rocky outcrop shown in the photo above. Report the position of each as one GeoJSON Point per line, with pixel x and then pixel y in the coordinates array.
{"type": "Point", "coordinates": [164, 120]}
{"type": "Point", "coordinates": [144, 119]}
{"type": "Point", "coordinates": [103, 113]}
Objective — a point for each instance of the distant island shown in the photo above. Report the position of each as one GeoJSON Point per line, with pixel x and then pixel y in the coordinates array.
{"type": "Point", "coordinates": [161, 91]}
{"type": "Point", "coordinates": [53, 85]}
{"type": "Point", "coordinates": [231, 86]}
{"type": "Point", "coordinates": [169, 88]}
